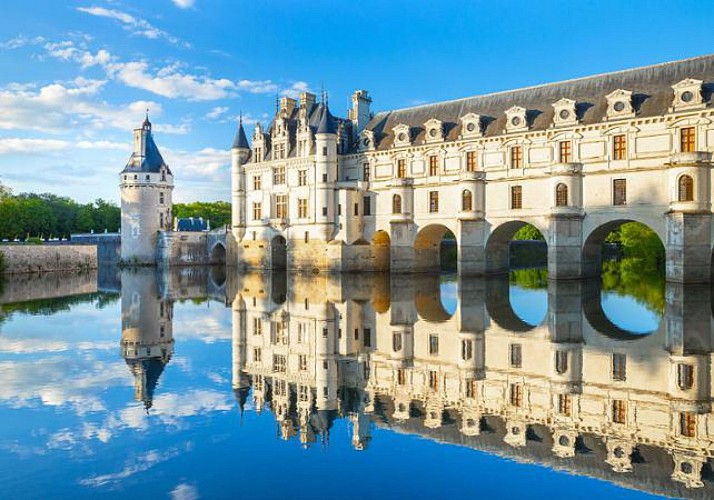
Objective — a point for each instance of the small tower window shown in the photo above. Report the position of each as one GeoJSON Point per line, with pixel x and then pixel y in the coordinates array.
{"type": "Point", "coordinates": [619, 411]}
{"type": "Point", "coordinates": [561, 195]}
{"type": "Point", "coordinates": [685, 376]}
{"type": "Point", "coordinates": [619, 192]}
{"type": "Point", "coordinates": [688, 424]}
{"type": "Point", "coordinates": [471, 161]}
{"type": "Point", "coordinates": [561, 362]}
{"type": "Point", "coordinates": [396, 204]}
{"type": "Point", "coordinates": [401, 168]}
{"type": "Point", "coordinates": [565, 153]}
{"type": "Point", "coordinates": [516, 157]}
{"type": "Point", "coordinates": [433, 165]}
{"type": "Point", "coordinates": [619, 367]}
{"type": "Point", "coordinates": [619, 147]}
{"type": "Point", "coordinates": [148, 177]}
{"type": "Point", "coordinates": [516, 197]}
{"type": "Point", "coordinates": [686, 188]}
{"type": "Point", "coordinates": [433, 201]}
{"type": "Point", "coordinates": [466, 200]}
{"type": "Point", "coordinates": [161, 198]}
{"type": "Point", "coordinates": [365, 172]}
{"type": "Point", "coordinates": [687, 140]}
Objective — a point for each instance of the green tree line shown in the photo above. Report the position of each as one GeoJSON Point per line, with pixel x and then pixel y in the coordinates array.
{"type": "Point", "coordinates": [46, 216]}
{"type": "Point", "coordinates": [218, 212]}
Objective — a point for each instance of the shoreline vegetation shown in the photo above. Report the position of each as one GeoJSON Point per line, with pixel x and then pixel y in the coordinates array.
{"type": "Point", "coordinates": [32, 218]}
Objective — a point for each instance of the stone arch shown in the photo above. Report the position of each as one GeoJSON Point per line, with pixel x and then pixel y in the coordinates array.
{"type": "Point", "coordinates": [428, 246]}
{"type": "Point", "coordinates": [595, 238]}
{"type": "Point", "coordinates": [278, 253]}
{"type": "Point", "coordinates": [381, 250]}
{"type": "Point", "coordinates": [218, 254]}
{"type": "Point", "coordinates": [428, 300]}
{"type": "Point", "coordinates": [598, 319]}
{"type": "Point", "coordinates": [498, 250]}
{"type": "Point", "coordinates": [500, 309]}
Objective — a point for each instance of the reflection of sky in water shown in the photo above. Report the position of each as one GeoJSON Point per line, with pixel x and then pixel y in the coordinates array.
{"type": "Point", "coordinates": [449, 294]}
{"type": "Point", "coordinates": [69, 425]}
{"type": "Point", "coordinates": [531, 305]}
{"type": "Point", "coordinates": [629, 314]}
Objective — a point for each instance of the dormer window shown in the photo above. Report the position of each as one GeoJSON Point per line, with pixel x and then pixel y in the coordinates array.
{"type": "Point", "coordinates": [516, 119]}
{"type": "Point", "coordinates": [564, 113]}
{"type": "Point", "coordinates": [367, 141]}
{"type": "Point", "coordinates": [434, 130]}
{"type": "Point", "coordinates": [619, 104]}
{"type": "Point", "coordinates": [401, 135]}
{"type": "Point", "coordinates": [471, 126]}
{"type": "Point", "coordinates": [687, 95]}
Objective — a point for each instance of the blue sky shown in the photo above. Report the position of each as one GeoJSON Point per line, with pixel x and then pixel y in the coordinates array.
{"type": "Point", "coordinates": [76, 76]}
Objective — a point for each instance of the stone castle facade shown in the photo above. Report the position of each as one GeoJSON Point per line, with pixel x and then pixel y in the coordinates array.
{"type": "Point", "coordinates": [576, 159]}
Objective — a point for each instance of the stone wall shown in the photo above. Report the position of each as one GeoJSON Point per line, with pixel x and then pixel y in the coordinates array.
{"type": "Point", "coordinates": [24, 287]}
{"type": "Point", "coordinates": [42, 258]}
{"type": "Point", "coordinates": [175, 248]}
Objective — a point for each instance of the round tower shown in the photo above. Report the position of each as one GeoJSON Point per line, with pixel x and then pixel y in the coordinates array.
{"type": "Point", "coordinates": [240, 154]}
{"type": "Point", "coordinates": [146, 184]}
{"type": "Point", "coordinates": [326, 170]}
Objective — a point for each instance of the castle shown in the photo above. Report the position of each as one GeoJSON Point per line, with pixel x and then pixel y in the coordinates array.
{"type": "Point", "coordinates": [575, 159]}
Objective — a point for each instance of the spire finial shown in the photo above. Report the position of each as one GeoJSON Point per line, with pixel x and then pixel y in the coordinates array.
{"type": "Point", "coordinates": [240, 117]}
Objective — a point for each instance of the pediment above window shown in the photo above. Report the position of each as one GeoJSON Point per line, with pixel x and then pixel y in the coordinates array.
{"type": "Point", "coordinates": [687, 94]}
{"type": "Point", "coordinates": [564, 112]}
{"type": "Point", "coordinates": [619, 104]}
{"type": "Point", "coordinates": [434, 130]}
{"type": "Point", "coordinates": [367, 141]}
{"type": "Point", "coordinates": [516, 119]}
{"type": "Point", "coordinates": [402, 135]}
{"type": "Point", "coordinates": [471, 126]}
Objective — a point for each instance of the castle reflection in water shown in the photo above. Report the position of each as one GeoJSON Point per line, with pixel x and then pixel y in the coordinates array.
{"type": "Point", "coordinates": [576, 392]}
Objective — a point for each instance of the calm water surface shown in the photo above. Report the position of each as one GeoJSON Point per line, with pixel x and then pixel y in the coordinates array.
{"type": "Point", "coordinates": [195, 384]}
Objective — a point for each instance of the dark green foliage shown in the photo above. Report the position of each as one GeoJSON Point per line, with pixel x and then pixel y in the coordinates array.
{"type": "Point", "coordinates": [218, 212]}
{"type": "Point", "coordinates": [528, 232]}
{"type": "Point", "coordinates": [46, 216]}
{"type": "Point", "coordinates": [534, 278]}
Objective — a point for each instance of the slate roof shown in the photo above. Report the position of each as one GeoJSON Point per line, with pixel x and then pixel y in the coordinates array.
{"type": "Point", "coordinates": [192, 224]}
{"type": "Point", "coordinates": [328, 124]}
{"type": "Point", "coordinates": [240, 141]}
{"type": "Point", "coordinates": [149, 160]}
{"type": "Point", "coordinates": [651, 87]}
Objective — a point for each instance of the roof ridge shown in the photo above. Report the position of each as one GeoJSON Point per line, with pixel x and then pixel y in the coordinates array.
{"type": "Point", "coordinates": [551, 84]}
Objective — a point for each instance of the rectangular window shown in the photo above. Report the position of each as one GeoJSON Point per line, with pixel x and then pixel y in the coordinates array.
{"type": "Point", "coordinates": [561, 362]}
{"type": "Point", "coordinates": [433, 201]}
{"type": "Point", "coordinates": [367, 205]}
{"type": "Point", "coordinates": [471, 161]}
{"type": "Point", "coordinates": [619, 367]}
{"type": "Point", "coordinates": [619, 411]}
{"type": "Point", "coordinates": [433, 345]}
{"type": "Point", "coordinates": [564, 152]}
{"type": "Point", "coordinates": [688, 424]}
{"type": "Point", "coordinates": [368, 337]}
{"type": "Point", "coordinates": [257, 354]}
{"type": "Point", "coordinates": [302, 362]}
{"type": "Point", "coordinates": [433, 380]}
{"type": "Point", "coordinates": [516, 395]}
{"type": "Point", "coordinates": [302, 177]}
{"type": "Point", "coordinates": [619, 192]}
{"type": "Point", "coordinates": [685, 376]}
{"type": "Point", "coordinates": [324, 211]}
{"type": "Point", "coordinates": [467, 350]}
{"type": "Point", "coordinates": [516, 157]}
{"type": "Point", "coordinates": [257, 183]}
{"type": "Point", "coordinates": [281, 206]}
{"type": "Point", "coordinates": [257, 211]}
{"type": "Point", "coordinates": [279, 364]}
{"type": "Point", "coordinates": [302, 208]}
{"type": "Point", "coordinates": [279, 151]}
{"type": "Point", "coordinates": [324, 151]}
{"type": "Point", "coordinates": [161, 198]}
{"type": "Point", "coordinates": [401, 168]}
{"type": "Point", "coordinates": [564, 404]}
{"type": "Point", "coordinates": [307, 240]}
{"type": "Point", "coordinates": [516, 197]}
{"type": "Point", "coordinates": [433, 165]}
{"type": "Point", "coordinates": [401, 376]}
{"type": "Point", "coordinates": [515, 355]}
{"type": "Point", "coordinates": [470, 388]}
{"type": "Point", "coordinates": [279, 175]}
{"type": "Point", "coordinates": [619, 147]}
{"type": "Point", "coordinates": [356, 209]}
{"type": "Point", "coordinates": [687, 140]}
{"type": "Point", "coordinates": [257, 326]}
{"type": "Point", "coordinates": [365, 172]}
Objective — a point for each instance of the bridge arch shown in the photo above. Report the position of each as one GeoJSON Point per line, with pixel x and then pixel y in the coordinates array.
{"type": "Point", "coordinates": [430, 246]}
{"type": "Point", "coordinates": [595, 236]}
{"type": "Point", "coordinates": [498, 254]}
{"type": "Point", "coordinates": [500, 308]}
{"type": "Point", "coordinates": [381, 250]}
{"type": "Point", "coordinates": [218, 254]}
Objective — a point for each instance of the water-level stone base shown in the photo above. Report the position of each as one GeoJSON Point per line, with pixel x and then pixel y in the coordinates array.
{"type": "Point", "coordinates": [43, 258]}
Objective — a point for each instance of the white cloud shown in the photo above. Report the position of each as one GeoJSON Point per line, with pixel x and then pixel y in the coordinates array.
{"type": "Point", "coordinates": [185, 491]}
{"type": "Point", "coordinates": [132, 24]}
{"type": "Point", "coordinates": [295, 89]}
{"type": "Point", "coordinates": [141, 463]}
{"type": "Point", "coordinates": [257, 86]}
{"type": "Point", "coordinates": [217, 112]}
{"type": "Point", "coordinates": [183, 4]}
{"type": "Point", "coordinates": [20, 41]}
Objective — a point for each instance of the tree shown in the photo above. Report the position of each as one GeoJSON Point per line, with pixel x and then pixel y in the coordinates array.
{"type": "Point", "coordinates": [528, 232]}
{"type": "Point", "coordinates": [218, 212]}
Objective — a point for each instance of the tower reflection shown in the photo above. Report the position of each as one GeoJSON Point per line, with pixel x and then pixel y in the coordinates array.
{"type": "Point", "coordinates": [575, 392]}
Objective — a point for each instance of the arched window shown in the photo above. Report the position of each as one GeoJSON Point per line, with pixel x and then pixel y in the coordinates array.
{"type": "Point", "coordinates": [561, 195]}
{"type": "Point", "coordinates": [466, 200]}
{"type": "Point", "coordinates": [686, 188]}
{"type": "Point", "coordinates": [396, 204]}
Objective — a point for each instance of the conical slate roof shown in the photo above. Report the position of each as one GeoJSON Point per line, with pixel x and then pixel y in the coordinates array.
{"type": "Point", "coordinates": [148, 159]}
{"type": "Point", "coordinates": [328, 124]}
{"type": "Point", "coordinates": [240, 141]}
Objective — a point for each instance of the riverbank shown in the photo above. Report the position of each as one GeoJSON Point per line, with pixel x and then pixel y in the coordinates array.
{"type": "Point", "coordinates": [19, 259]}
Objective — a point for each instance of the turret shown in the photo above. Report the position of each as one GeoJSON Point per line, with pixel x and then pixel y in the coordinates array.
{"type": "Point", "coordinates": [146, 184]}
{"type": "Point", "coordinates": [326, 169]}
{"type": "Point", "coordinates": [359, 114]}
{"type": "Point", "coordinates": [240, 154]}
